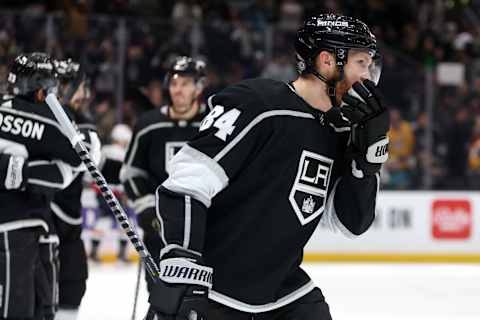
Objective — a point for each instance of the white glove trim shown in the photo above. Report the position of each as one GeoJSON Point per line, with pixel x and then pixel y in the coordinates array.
{"type": "Point", "coordinates": [357, 173]}
{"type": "Point", "coordinates": [378, 152]}
{"type": "Point", "coordinates": [181, 270]}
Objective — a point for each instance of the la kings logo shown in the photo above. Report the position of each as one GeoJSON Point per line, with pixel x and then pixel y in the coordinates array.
{"type": "Point", "coordinates": [309, 191]}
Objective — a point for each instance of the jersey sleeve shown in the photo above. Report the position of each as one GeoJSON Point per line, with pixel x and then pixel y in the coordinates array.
{"type": "Point", "coordinates": [230, 136]}
{"type": "Point", "coordinates": [38, 176]}
{"type": "Point", "coordinates": [138, 184]}
{"type": "Point", "coordinates": [60, 148]}
{"type": "Point", "coordinates": [351, 204]}
{"type": "Point", "coordinates": [49, 176]}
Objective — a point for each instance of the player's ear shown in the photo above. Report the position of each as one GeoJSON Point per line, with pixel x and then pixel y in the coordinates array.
{"type": "Point", "coordinates": [40, 96]}
{"type": "Point", "coordinates": [199, 86]}
{"type": "Point", "coordinates": [325, 63]}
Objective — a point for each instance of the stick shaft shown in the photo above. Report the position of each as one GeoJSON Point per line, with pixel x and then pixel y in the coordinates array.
{"type": "Point", "coordinates": [105, 189]}
{"type": "Point", "coordinates": [118, 211]}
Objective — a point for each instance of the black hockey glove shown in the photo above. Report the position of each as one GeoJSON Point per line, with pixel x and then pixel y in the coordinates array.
{"type": "Point", "coordinates": [148, 221]}
{"type": "Point", "coordinates": [370, 124]}
{"type": "Point", "coordinates": [182, 291]}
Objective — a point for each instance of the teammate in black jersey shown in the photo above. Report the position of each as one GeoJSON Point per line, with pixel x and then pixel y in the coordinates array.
{"type": "Point", "coordinates": [271, 160]}
{"type": "Point", "coordinates": [36, 160]}
{"type": "Point", "coordinates": [66, 205]}
{"type": "Point", "coordinates": [157, 136]}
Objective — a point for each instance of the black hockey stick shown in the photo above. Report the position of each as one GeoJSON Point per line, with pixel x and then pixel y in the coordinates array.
{"type": "Point", "coordinates": [107, 193]}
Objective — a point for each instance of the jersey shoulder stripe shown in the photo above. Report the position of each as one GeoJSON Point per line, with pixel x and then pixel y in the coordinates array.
{"type": "Point", "coordinates": [256, 121]}
{"type": "Point", "coordinates": [143, 132]}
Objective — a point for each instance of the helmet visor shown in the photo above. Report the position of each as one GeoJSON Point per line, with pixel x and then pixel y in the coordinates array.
{"type": "Point", "coordinates": [375, 69]}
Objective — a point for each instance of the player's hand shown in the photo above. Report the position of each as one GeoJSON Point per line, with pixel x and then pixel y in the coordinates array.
{"type": "Point", "coordinates": [370, 124]}
{"type": "Point", "coordinates": [182, 291]}
{"type": "Point", "coordinates": [354, 108]}
{"type": "Point", "coordinates": [148, 221]}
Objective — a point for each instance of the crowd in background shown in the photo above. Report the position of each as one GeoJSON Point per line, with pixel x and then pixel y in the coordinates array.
{"type": "Point", "coordinates": [125, 46]}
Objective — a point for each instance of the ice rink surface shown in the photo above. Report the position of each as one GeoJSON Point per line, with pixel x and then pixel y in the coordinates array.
{"type": "Point", "coordinates": [354, 291]}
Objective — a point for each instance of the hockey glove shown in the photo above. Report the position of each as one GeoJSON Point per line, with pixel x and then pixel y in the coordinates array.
{"type": "Point", "coordinates": [370, 124]}
{"type": "Point", "coordinates": [148, 221]}
{"type": "Point", "coordinates": [182, 291]}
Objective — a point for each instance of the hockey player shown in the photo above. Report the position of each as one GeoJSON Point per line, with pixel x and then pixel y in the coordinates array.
{"type": "Point", "coordinates": [66, 205]}
{"type": "Point", "coordinates": [271, 160]}
{"type": "Point", "coordinates": [157, 136]}
{"type": "Point", "coordinates": [36, 160]}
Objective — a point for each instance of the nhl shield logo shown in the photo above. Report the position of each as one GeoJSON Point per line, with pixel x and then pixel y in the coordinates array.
{"type": "Point", "coordinates": [309, 191]}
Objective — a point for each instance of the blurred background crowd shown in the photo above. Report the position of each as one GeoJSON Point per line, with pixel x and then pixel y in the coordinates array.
{"type": "Point", "coordinates": [430, 77]}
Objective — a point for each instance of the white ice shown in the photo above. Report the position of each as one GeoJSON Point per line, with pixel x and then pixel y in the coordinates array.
{"type": "Point", "coordinates": [353, 291]}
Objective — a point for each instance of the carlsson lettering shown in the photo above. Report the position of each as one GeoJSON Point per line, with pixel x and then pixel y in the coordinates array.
{"type": "Point", "coordinates": [20, 126]}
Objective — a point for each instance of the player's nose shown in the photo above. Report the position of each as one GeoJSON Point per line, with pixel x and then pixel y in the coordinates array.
{"type": "Point", "coordinates": [365, 76]}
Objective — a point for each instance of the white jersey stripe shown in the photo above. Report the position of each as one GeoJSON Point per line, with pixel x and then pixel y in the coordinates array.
{"type": "Point", "coordinates": [195, 174]}
{"type": "Point", "coordinates": [188, 222]}
{"type": "Point", "coordinates": [63, 216]}
{"type": "Point", "coordinates": [141, 133]}
{"type": "Point", "coordinates": [257, 120]}
{"type": "Point", "coordinates": [242, 306]}
{"type": "Point", "coordinates": [7, 276]}
{"type": "Point", "coordinates": [21, 224]}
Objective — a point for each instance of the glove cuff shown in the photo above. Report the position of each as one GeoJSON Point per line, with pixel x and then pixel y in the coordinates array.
{"type": "Point", "coordinates": [378, 152]}
{"type": "Point", "coordinates": [361, 168]}
{"type": "Point", "coordinates": [184, 271]}
{"type": "Point", "coordinates": [144, 204]}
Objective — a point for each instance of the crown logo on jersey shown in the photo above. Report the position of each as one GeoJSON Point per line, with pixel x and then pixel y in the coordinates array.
{"type": "Point", "coordinates": [308, 205]}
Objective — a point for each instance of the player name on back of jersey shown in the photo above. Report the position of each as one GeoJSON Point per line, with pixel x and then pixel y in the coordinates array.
{"type": "Point", "coordinates": [19, 126]}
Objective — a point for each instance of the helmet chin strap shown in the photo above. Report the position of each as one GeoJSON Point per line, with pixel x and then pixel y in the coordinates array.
{"type": "Point", "coordinates": [331, 84]}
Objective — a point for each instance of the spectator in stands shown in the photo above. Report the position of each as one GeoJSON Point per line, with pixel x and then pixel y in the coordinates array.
{"type": "Point", "coordinates": [458, 141]}
{"type": "Point", "coordinates": [402, 159]}
{"type": "Point", "coordinates": [474, 156]}
{"type": "Point", "coordinates": [280, 68]}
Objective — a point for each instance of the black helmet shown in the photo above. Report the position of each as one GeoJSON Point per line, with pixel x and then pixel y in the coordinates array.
{"type": "Point", "coordinates": [31, 72]}
{"type": "Point", "coordinates": [333, 33]}
{"type": "Point", "coordinates": [70, 75]}
{"type": "Point", "coordinates": [187, 66]}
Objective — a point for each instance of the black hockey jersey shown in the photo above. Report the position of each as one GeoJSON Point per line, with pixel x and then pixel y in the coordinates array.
{"type": "Point", "coordinates": [66, 204]}
{"type": "Point", "coordinates": [33, 128]}
{"type": "Point", "coordinates": [268, 170]}
{"type": "Point", "coordinates": [156, 138]}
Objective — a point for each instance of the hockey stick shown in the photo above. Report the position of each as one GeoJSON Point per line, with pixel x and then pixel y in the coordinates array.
{"type": "Point", "coordinates": [137, 289]}
{"type": "Point", "coordinates": [107, 193]}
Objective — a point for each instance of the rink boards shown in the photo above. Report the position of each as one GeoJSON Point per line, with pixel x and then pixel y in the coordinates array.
{"type": "Point", "coordinates": [409, 227]}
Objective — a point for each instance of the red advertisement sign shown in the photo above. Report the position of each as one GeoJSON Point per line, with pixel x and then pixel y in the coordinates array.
{"type": "Point", "coordinates": [451, 219]}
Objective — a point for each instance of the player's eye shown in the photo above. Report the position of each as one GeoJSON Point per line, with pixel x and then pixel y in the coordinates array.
{"type": "Point", "coordinates": [363, 63]}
